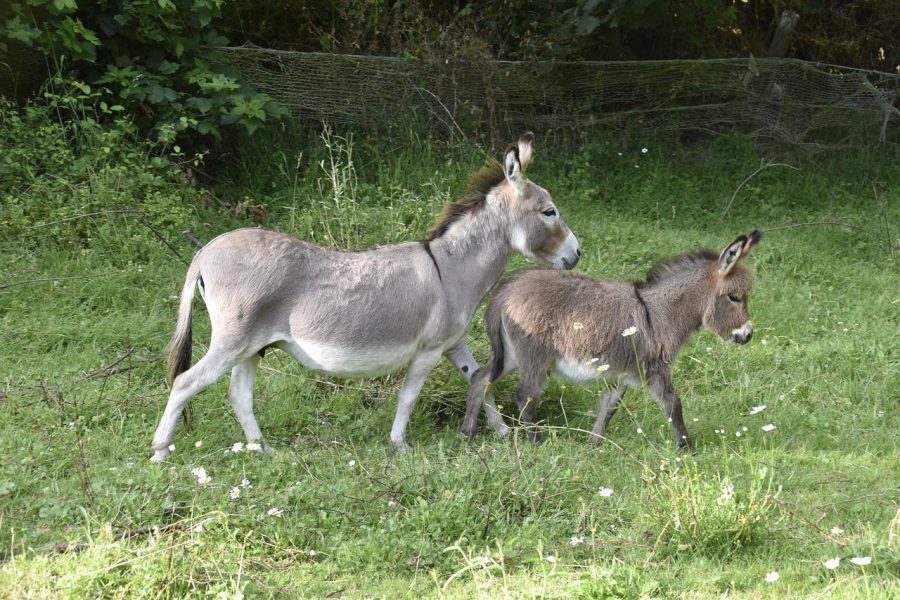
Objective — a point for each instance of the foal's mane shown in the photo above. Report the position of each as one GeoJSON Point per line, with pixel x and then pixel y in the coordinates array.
{"type": "Point", "coordinates": [678, 264]}
{"type": "Point", "coordinates": [482, 182]}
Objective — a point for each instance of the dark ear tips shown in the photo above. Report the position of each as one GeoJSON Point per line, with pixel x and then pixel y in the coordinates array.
{"type": "Point", "coordinates": [754, 236]}
{"type": "Point", "coordinates": [527, 137]}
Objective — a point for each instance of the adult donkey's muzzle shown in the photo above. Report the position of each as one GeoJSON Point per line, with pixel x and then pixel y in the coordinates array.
{"type": "Point", "coordinates": [569, 263]}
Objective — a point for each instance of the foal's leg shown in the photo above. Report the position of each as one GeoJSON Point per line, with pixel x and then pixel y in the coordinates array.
{"type": "Point", "coordinates": [187, 385]}
{"type": "Point", "coordinates": [418, 371]}
{"type": "Point", "coordinates": [462, 359]}
{"type": "Point", "coordinates": [662, 388]}
{"type": "Point", "coordinates": [609, 402]}
{"type": "Point", "coordinates": [528, 396]}
{"type": "Point", "coordinates": [240, 393]}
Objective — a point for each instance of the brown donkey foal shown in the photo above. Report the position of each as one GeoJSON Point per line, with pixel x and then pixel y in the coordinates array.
{"type": "Point", "coordinates": [625, 332]}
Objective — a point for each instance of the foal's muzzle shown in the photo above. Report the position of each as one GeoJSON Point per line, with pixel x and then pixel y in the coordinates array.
{"type": "Point", "coordinates": [742, 335]}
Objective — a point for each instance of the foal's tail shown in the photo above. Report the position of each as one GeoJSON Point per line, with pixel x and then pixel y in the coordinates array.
{"type": "Point", "coordinates": [179, 348]}
{"type": "Point", "coordinates": [494, 328]}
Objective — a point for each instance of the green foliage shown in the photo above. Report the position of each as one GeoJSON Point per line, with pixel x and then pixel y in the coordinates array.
{"type": "Point", "coordinates": [63, 168]}
{"type": "Point", "coordinates": [82, 385]}
{"type": "Point", "coordinates": [711, 514]}
{"type": "Point", "coordinates": [157, 60]}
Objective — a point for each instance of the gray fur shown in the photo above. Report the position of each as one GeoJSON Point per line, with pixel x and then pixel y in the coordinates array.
{"type": "Point", "coordinates": [540, 320]}
{"type": "Point", "coordinates": [358, 314]}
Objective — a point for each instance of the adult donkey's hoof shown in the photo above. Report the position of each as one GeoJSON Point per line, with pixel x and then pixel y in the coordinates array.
{"type": "Point", "coordinates": [159, 455]}
{"type": "Point", "coordinates": [400, 446]}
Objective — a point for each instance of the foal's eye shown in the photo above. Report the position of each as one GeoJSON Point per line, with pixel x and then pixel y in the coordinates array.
{"type": "Point", "coordinates": [734, 298]}
{"type": "Point", "coordinates": [550, 212]}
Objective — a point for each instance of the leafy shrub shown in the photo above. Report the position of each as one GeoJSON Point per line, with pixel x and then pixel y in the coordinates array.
{"type": "Point", "coordinates": [77, 182]}
{"type": "Point", "coordinates": [156, 60]}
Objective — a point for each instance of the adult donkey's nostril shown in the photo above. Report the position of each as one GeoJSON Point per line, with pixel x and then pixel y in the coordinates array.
{"type": "Point", "coordinates": [578, 252]}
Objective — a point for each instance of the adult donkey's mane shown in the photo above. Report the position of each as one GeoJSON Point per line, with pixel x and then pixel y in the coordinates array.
{"type": "Point", "coordinates": [482, 182]}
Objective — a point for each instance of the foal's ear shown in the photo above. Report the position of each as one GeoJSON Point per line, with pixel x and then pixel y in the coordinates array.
{"type": "Point", "coordinates": [737, 250]}
{"type": "Point", "coordinates": [526, 141]}
{"type": "Point", "coordinates": [512, 167]}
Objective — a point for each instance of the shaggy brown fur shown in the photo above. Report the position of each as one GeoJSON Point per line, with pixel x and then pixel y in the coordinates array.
{"type": "Point", "coordinates": [572, 323]}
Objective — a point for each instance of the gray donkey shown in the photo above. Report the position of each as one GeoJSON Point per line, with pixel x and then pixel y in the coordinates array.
{"type": "Point", "coordinates": [360, 314]}
{"type": "Point", "coordinates": [588, 329]}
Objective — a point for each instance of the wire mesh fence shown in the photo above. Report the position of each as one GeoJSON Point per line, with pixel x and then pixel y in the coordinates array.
{"type": "Point", "coordinates": [783, 100]}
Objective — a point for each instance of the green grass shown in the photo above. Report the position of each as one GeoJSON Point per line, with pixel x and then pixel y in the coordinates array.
{"type": "Point", "coordinates": [491, 518]}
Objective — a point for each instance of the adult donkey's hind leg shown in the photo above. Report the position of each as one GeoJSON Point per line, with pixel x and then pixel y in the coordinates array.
{"type": "Point", "coordinates": [462, 359]}
{"type": "Point", "coordinates": [240, 393]}
{"type": "Point", "coordinates": [187, 385]}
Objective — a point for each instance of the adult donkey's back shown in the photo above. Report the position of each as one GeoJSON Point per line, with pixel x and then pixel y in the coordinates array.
{"type": "Point", "coordinates": [360, 314]}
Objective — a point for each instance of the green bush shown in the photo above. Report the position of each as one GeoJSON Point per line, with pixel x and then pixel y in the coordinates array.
{"type": "Point", "coordinates": [155, 60]}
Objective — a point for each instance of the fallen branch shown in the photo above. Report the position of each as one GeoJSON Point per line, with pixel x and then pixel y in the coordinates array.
{"type": "Point", "coordinates": [763, 165]}
{"type": "Point", "coordinates": [64, 547]}
{"type": "Point", "coordinates": [190, 235]}
{"type": "Point", "coordinates": [68, 278]}
{"type": "Point", "coordinates": [108, 368]}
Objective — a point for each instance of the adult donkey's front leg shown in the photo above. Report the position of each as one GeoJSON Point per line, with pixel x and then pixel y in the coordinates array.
{"type": "Point", "coordinates": [418, 371]}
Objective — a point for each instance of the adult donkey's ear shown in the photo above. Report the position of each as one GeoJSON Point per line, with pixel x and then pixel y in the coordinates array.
{"type": "Point", "coordinates": [525, 144]}
{"type": "Point", "coordinates": [736, 250]}
{"type": "Point", "coordinates": [512, 167]}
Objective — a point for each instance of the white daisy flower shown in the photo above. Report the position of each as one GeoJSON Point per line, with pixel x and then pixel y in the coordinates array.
{"type": "Point", "coordinates": [605, 492]}
{"type": "Point", "coordinates": [275, 512]}
{"type": "Point", "coordinates": [198, 444]}
{"type": "Point", "coordinates": [769, 427]}
{"type": "Point", "coordinates": [550, 558]}
{"type": "Point", "coordinates": [861, 561]}
{"type": "Point", "coordinates": [245, 483]}
{"type": "Point", "coordinates": [757, 409]}
{"type": "Point", "coordinates": [200, 474]}
{"type": "Point", "coordinates": [772, 577]}
{"type": "Point", "coordinates": [235, 493]}
{"type": "Point", "coordinates": [629, 331]}
{"type": "Point", "coordinates": [576, 540]}
{"type": "Point", "coordinates": [578, 325]}
{"type": "Point", "coordinates": [833, 563]}
{"type": "Point", "coordinates": [603, 368]}
{"type": "Point", "coordinates": [351, 463]}
{"type": "Point", "coordinates": [171, 447]}
{"type": "Point", "coordinates": [253, 447]}
{"type": "Point", "coordinates": [837, 531]}
{"type": "Point", "coordinates": [237, 447]}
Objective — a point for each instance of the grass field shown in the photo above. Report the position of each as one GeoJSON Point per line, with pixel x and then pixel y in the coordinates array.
{"type": "Point", "coordinates": [335, 512]}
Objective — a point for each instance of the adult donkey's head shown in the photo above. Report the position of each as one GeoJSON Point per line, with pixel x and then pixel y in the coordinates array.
{"type": "Point", "coordinates": [503, 198]}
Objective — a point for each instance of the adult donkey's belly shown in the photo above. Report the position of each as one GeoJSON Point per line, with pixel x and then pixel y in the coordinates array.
{"type": "Point", "coordinates": [351, 361]}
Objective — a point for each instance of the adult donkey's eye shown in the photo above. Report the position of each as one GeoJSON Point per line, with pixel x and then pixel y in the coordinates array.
{"type": "Point", "coordinates": [733, 298]}
{"type": "Point", "coordinates": [550, 212]}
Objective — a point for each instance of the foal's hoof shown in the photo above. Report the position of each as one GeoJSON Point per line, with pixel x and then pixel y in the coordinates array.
{"type": "Point", "coordinates": [503, 431]}
{"type": "Point", "coordinates": [595, 440]}
{"type": "Point", "coordinates": [535, 437]}
{"type": "Point", "coordinates": [467, 432]}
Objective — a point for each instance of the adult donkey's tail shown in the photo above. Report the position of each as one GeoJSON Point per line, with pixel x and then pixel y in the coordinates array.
{"type": "Point", "coordinates": [179, 349]}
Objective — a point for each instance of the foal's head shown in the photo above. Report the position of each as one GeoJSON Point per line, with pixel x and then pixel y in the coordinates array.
{"type": "Point", "coordinates": [536, 228]}
{"type": "Point", "coordinates": [726, 312]}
